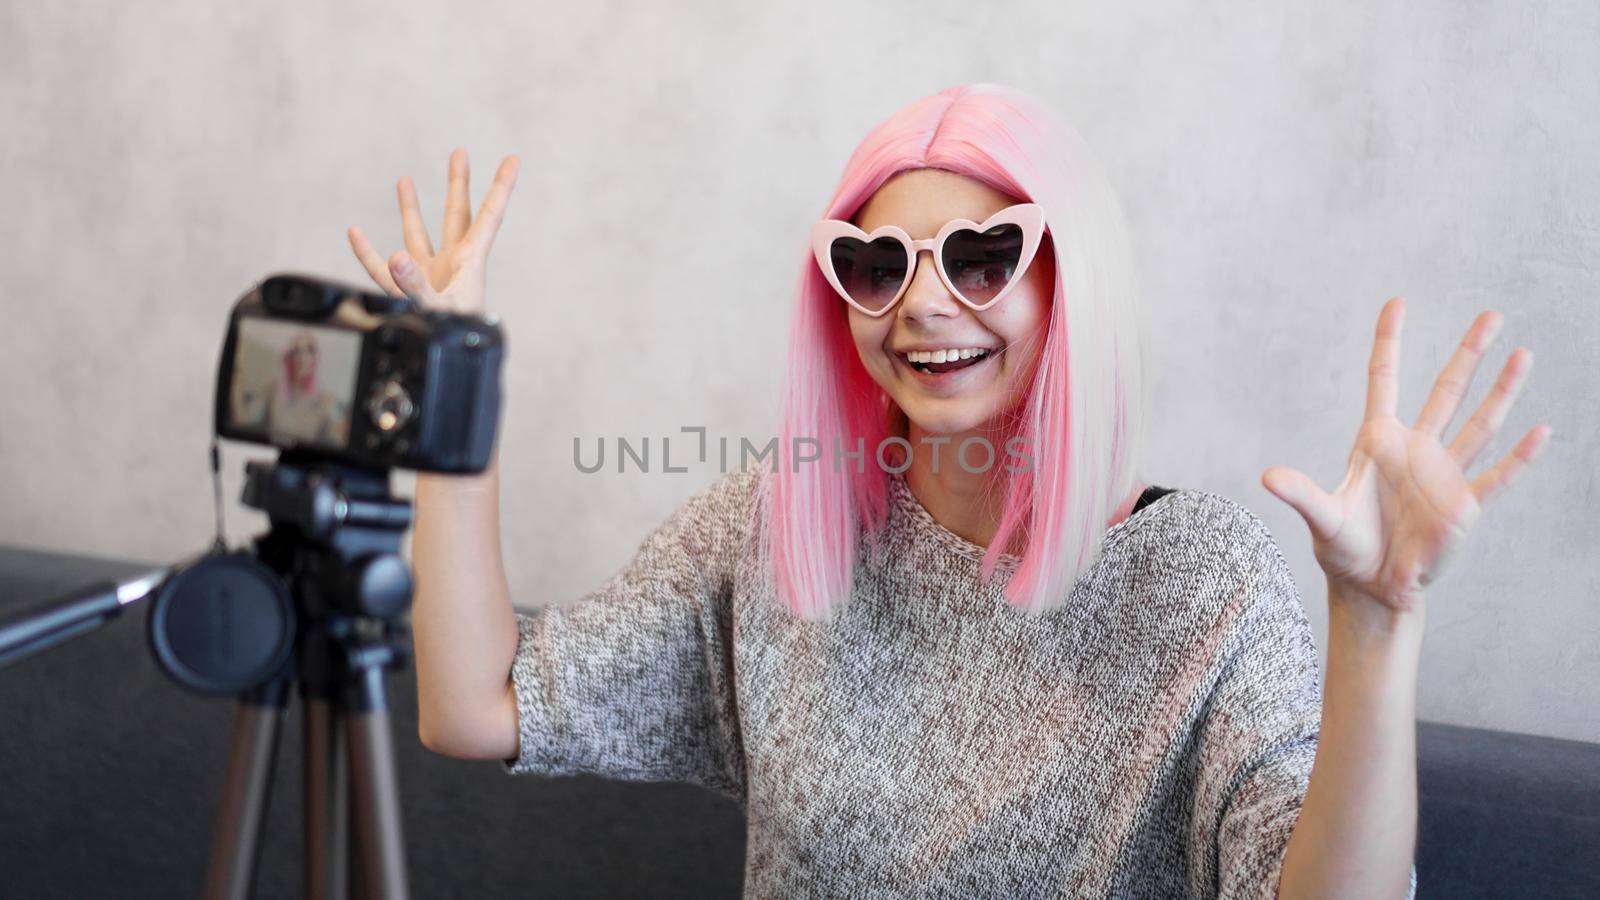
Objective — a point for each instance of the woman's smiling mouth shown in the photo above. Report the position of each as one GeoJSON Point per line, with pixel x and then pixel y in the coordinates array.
{"type": "Point", "coordinates": [944, 367]}
{"type": "Point", "coordinates": [941, 361]}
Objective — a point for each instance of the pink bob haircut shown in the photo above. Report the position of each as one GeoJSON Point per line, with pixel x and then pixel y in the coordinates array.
{"type": "Point", "coordinates": [1082, 414]}
{"type": "Point", "coordinates": [290, 386]}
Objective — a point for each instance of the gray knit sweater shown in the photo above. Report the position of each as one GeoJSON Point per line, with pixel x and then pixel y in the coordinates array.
{"type": "Point", "coordinates": [1153, 737]}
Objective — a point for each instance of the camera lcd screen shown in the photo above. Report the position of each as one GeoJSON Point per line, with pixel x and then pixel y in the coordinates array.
{"type": "Point", "coordinates": [293, 383]}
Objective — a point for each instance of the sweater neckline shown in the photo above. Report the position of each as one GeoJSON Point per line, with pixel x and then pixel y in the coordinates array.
{"type": "Point", "coordinates": [922, 521]}
{"type": "Point", "coordinates": [901, 498]}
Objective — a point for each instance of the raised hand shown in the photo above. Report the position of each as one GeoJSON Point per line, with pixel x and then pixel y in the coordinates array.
{"type": "Point", "coordinates": [451, 279]}
{"type": "Point", "coordinates": [1406, 504]}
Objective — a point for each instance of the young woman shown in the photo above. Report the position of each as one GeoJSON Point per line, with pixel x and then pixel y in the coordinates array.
{"type": "Point", "coordinates": [922, 675]}
{"type": "Point", "coordinates": [292, 404]}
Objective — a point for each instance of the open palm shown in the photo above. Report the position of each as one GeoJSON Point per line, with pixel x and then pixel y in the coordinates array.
{"type": "Point", "coordinates": [452, 278]}
{"type": "Point", "coordinates": [1406, 504]}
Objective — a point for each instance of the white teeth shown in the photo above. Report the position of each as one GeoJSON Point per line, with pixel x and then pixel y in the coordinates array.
{"type": "Point", "coordinates": [939, 356]}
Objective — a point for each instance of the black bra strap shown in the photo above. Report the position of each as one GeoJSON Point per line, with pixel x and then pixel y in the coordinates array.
{"type": "Point", "coordinates": [1151, 494]}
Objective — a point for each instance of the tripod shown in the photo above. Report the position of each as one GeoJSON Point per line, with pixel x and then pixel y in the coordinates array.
{"type": "Point", "coordinates": [318, 603]}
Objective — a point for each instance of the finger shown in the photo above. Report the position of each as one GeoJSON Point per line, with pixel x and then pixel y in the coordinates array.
{"type": "Point", "coordinates": [412, 280]}
{"type": "Point", "coordinates": [373, 262]}
{"type": "Point", "coordinates": [1485, 422]}
{"type": "Point", "coordinates": [1451, 385]}
{"type": "Point", "coordinates": [416, 236]}
{"type": "Point", "coordinates": [493, 210]}
{"type": "Point", "coordinates": [457, 200]}
{"type": "Point", "coordinates": [1498, 477]}
{"type": "Point", "coordinates": [1383, 369]}
{"type": "Point", "coordinates": [1311, 502]}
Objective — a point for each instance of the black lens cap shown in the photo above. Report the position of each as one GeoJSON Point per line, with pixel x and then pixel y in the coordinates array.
{"type": "Point", "coordinates": [223, 625]}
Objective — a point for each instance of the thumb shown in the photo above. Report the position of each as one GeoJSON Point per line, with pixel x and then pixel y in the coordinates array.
{"type": "Point", "coordinates": [1302, 494]}
{"type": "Point", "coordinates": [409, 277]}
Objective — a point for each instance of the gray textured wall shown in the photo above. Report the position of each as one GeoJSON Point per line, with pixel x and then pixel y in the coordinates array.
{"type": "Point", "coordinates": [1285, 172]}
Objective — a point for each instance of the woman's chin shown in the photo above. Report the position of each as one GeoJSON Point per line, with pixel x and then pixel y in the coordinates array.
{"type": "Point", "coordinates": [944, 415]}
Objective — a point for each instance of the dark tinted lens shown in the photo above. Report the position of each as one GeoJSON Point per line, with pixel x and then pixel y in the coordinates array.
{"type": "Point", "coordinates": [870, 273]}
{"type": "Point", "coordinates": [981, 265]}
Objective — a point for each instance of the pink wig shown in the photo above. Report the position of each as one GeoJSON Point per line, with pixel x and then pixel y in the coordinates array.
{"type": "Point", "coordinates": [1082, 416]}
{"type": "Point", "coordinates": [289, 386]}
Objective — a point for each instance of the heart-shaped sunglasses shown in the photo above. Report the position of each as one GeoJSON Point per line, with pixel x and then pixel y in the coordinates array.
{"type": "Point", "coordinates": [979, 262]}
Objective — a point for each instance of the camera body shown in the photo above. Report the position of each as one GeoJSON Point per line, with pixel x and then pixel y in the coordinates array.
{"type": "Point", "coordinates": [358, 377]}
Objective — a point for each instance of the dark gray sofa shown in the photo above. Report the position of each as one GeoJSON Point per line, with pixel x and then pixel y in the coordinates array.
{"type": "Point", "coordinates": [110, 774]}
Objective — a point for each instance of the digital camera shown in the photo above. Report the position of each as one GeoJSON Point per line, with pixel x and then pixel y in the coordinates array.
{"type": "Point", "coordinates": [363, 378]}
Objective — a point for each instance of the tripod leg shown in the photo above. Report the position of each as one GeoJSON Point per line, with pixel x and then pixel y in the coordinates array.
{"type": "Point", "coordinates": [253, 752]}
{"type": "Point", "coordinates": [358, 883]}
{"type": "Point", "coordinates": [376, 799]}
{"type": "Point", "coordinates": [326, 813]}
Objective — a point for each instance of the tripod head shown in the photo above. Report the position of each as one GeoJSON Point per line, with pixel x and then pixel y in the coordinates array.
{"type": "Point", "coordinates": [336, 533]}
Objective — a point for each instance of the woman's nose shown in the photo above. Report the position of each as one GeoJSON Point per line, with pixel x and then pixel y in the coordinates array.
{"type": "Point", "coordinates": [926, 297]}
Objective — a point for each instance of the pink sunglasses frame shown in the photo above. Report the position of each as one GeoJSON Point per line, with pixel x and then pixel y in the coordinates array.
{"type": "Point", "coordinates": [1028, 216]}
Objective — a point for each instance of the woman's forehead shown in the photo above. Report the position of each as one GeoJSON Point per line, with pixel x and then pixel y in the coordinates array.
{"type": "Point", "coordinates": [921, 201]}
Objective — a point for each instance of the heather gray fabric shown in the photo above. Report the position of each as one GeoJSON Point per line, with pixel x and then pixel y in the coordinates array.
{"type": "Point", "coordinates": [1152, 737]}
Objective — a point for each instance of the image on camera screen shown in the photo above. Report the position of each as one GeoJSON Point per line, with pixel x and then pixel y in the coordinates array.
{"type": "Point", "coordinates": [293, 382]}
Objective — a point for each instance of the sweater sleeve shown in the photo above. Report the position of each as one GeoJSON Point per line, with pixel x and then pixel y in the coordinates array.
{"type": "Point", "coordinates": [634, 680]}
{"type": "Point", "coordinates": [1258, 737]}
